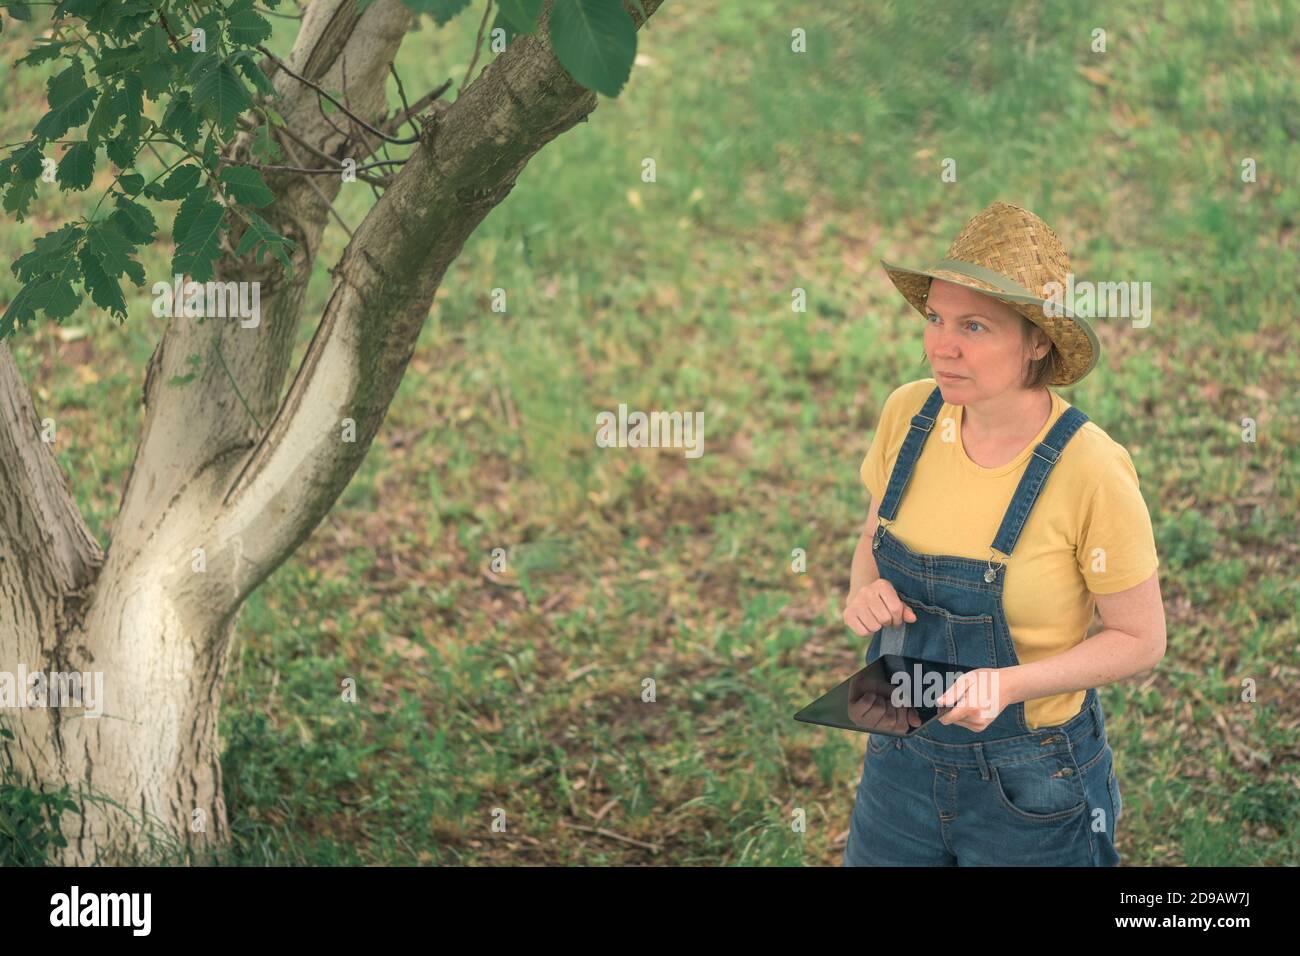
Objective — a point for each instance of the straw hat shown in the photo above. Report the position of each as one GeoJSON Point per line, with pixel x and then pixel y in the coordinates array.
{"type": "Point", "coordinates": [1010, 254]}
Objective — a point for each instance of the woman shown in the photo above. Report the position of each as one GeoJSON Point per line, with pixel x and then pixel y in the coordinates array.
{"type": "Point", "coordinates": [1000, 517]}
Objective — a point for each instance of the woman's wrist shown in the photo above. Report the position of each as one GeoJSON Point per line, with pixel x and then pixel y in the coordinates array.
{"type": "Point", "coordinates": [1011, 684]}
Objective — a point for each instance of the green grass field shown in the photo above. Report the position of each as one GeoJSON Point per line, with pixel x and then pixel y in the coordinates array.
{"type": "Point", "coordinates": [521, 692]}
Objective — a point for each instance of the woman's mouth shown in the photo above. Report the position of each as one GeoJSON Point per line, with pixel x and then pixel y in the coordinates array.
{"type": "Point", "coordinates": [945, 377]}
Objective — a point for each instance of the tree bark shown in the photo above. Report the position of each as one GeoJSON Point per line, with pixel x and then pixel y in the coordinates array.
{"type": "Point", "coordinates": [208, 487]}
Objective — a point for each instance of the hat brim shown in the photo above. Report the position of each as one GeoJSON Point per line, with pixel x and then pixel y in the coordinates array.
{"type": "Point", "coordinates": [1067, 330]}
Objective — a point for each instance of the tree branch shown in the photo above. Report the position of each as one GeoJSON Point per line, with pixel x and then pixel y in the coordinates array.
{"type": "Point", "coordinates": [401, 95]}
{"type": "Point", "coordinates": [46, 550]}
{"type": "Point", "coordinates": [332, 171]}
{"type": "Point", "coordinates": [394, 122]}
{"type": "Point", "coordinates": [192, 437]}
{"type": "Point", "coordinates": [478, 47]}
{"type": "Point", "coordinates": [322, 92]}
{"type": "Point", "coordinates": [383, 288]}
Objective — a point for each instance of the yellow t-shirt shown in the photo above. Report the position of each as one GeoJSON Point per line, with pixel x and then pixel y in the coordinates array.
{"type": "Point", "coordinates": [1088, 533]}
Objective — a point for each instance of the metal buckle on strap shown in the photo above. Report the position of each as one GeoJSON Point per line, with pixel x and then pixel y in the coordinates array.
{"type": "Point", "coordinates": [992, 571]}
{"type": "Point", "coordinates": [927, 418]}
{"type": "Point", "coordinates": [1045, 447]}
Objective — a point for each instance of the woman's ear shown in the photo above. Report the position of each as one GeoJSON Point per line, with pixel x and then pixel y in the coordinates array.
{"type": "Point", "coordinates": [1039, 343]}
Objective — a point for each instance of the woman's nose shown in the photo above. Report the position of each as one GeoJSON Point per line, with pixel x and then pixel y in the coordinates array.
{"type": "Point", "coordinates": [943, 343]}
{"type": "Point", "coordinates": [945, 347]}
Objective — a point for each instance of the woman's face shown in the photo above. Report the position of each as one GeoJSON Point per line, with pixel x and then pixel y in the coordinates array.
{"type": "Point", "coordinates": [978, 338]}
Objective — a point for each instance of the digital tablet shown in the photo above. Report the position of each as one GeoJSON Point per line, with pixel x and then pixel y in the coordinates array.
{"type": "Point", "coordinates": [894, 695]}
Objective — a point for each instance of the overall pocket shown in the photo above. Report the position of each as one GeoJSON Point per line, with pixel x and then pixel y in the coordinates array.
{"type": "Point", "coordinates": [939, 635]}
{"type": "Point", "coordinates": [1046, 789]}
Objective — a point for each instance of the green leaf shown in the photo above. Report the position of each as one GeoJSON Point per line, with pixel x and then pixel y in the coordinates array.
{"type": "Point", "coordinates": [105, 291]}
{"type": "Point", "coordinates": [155, 43]}
{"type": "Point", "coordinates": [113, 250]}
{"type": "Point", "coordinates": [53, 294]}
{"type": "Point", "coordinates": [181, 119]}
{"type": "Point", "coordinates": [44, 50]}
{"type": "Point", "coordinates": [120, 150]}
{"type": "Point", "coordinates": [115, 60]}
{"type": "Point", "coordinates": [179, 183]}
{"type": "Point", "coordinates": [248, 29]}
{"type": "Point", "coordinates": [105, 18]}
{"type": "Point", "coordinates": [499, 22]}
{"type": "Point", "coordinates": [135, 221]}
{"type": "Point", "coordinates": [264, 147]}
{"type": "Point", "coordinates": [210, 157]}
{"type": "Point", "coordinates": [48, 253]}
{"type": "Point", "coordinates": [259, 235]}
{"type": "Point", "coordinates": [66, 85]}
{"type": "Point", "coordinates": [210, 24]}
{"type": "Point", "coordinates": [62, 118]}
{"type": "Point", "coordinates": [49, 290]}
{"type": "Point", "coordinates": [201, 243]}
{"type": "Point", "coordinates": [107, 112]}
{"type": "Point", "coordinates": [221, 95]}
{"type": "Point", "coordinates": [132, 99]}
{"type": "Point", "coordinates": [520, 15]}
{"type": "Point", "coordinates": [188, 211]}
{"type": "Point", "coordinates": [77, 168]}
{"type": "Point", "coordinates": [246, 186]}
{"type": "Point", "coordinates": [156, 75]}
{"type": "Point", "coordinates": [56, 296]}
{"type": "Point", "coordinates": [249, 66]}
{"type": "Point", "coordinates": [178, 380]}
{"type": "Point", "coordinates": [130, 183]}
{"type": "Point", "coordinates": [204, 63]}
{"type": "Point", "coordinates": [595, 40]}
{"type": "Point", "coordinates": [84, 9]}
{"type": "Point", "coordinates": [19, 198]}
{"type": "Point", "coordinates": [28, 162]}
{"type": "Point", "coordinates": [441, 10]}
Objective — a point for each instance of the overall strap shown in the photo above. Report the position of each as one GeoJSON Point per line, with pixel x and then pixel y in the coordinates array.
{"type": "Point", "coordinates": [922, 422]}
{"type": "Point", "coordinates": [1040, 466]}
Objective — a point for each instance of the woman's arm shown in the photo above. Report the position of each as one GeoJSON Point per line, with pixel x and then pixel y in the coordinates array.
{"type": "Point", "coordinates": [1133, 640]}
{"type": "Point", "coordinates": [864, 562]}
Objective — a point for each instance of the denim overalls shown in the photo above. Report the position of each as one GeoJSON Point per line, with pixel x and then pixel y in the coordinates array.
{"type": "Point", "coordinates": [1006, 795]}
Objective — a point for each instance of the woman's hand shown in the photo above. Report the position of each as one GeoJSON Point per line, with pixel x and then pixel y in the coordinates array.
{"type": "Point", "coordinates": [874, 606]}
{"type": "Point", "coordinates": [976, 699]}
{"type": "Point", "coordinates": [874, 711]}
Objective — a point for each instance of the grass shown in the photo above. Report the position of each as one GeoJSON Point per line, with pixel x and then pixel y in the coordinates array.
{"type": "Point", "coordinates": [520, 696]}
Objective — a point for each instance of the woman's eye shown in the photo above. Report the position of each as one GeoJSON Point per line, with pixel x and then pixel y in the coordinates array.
{"type": "Point", "coordinates": [979, 325]}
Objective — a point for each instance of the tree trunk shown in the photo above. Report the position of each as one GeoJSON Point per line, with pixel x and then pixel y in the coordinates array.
{"type": "Point", "coordinates": [147, 772]}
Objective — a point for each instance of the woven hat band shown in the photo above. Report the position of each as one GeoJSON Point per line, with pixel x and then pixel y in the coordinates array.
{"type": "Point", "coordinates": [986, 275]}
